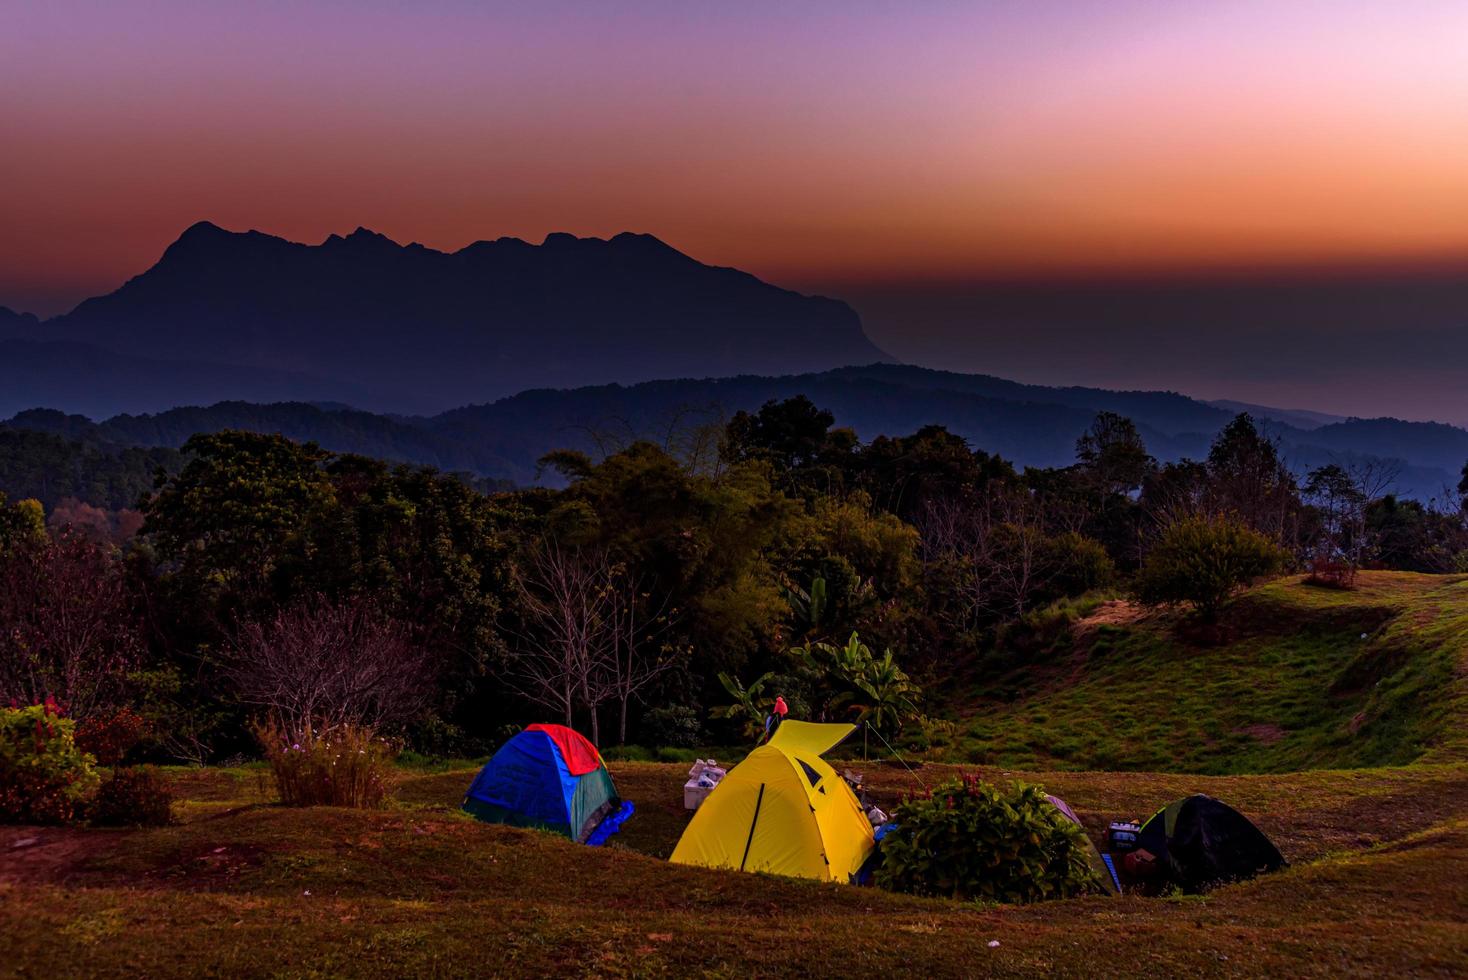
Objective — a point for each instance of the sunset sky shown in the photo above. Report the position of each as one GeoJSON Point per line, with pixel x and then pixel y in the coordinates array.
{"type": "Point", "coordinates": [845, 146]}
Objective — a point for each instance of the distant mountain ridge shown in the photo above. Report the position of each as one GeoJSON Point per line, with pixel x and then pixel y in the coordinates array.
{"type": "Point", "coordinates": [1300, 418]}
{"type": "Point", "coordinates": [412, 329]}
{"type": "Point", "coordinates": [1028, 424]}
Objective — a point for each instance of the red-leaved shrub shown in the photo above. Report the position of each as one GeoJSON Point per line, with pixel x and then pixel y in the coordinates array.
{"type": "Point", "coordinates": [111, 737]}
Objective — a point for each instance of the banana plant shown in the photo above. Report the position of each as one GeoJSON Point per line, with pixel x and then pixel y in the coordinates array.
{"type": "Point", "coordinates": [876, 688]}
{"type": "Point", "coordinates": [809, 607]}
{"type": "Point", "coordinates": [885, 696]}
{"type": "Point", "coordinates": [750, 704]}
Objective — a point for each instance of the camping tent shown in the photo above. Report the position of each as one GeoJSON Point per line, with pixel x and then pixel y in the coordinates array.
{"type": "Point", "coordinates": [549, 777]}
{"type": "Point", "coordinates": [1199, 842]}
{"type": "Point", "coordinates": [783, 810]}
{"type": "Point", "coordinates": [1099, 864]}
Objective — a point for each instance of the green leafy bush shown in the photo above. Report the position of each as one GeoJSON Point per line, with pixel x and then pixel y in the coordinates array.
{"type": "Point", "coordinates": [673, 725]}
{"type": "Point", "coordinates": [436, 738]}
{"type": "Point", "coordinates": [972, 840]}
{"type": "Point", "coordinates": [44, 777]}
{"type": "Point", "coordinates": [347, 766]}
{"type": "Point", "coordinates": [1073, 565]}
{"type": "Point", "coordinates": [1202, 561]}
{"type": "Point", "coordinates": [628, 753]}
{"type": "Point", "coordinates": [134, 796]}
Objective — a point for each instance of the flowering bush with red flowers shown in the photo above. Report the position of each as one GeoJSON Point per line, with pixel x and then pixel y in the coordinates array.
{"type": "Point", "coordinates": [110, 737]}
{"type": "Point", "coordinates": [44, 776]}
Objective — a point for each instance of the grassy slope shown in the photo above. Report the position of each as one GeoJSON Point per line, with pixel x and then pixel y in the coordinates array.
{"type": "Point", "coordinates": [1292, 685]}
{"type": "Point", "coordinates": [1378, 883]}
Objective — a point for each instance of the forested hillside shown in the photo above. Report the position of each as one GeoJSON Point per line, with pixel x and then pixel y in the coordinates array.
{"type": "Point", "coordinates": [787, 556]}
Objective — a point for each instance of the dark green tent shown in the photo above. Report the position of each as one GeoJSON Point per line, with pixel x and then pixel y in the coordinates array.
{"type": "Point", "coordinates": [1199, 842]}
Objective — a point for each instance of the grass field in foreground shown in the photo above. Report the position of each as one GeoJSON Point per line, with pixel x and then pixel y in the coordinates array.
{"type": "Point", "coordinates": [1379, 883]}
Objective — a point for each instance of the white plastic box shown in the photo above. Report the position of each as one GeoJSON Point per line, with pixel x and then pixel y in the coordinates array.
{"type": "Point", "coordinates": [702, 780]}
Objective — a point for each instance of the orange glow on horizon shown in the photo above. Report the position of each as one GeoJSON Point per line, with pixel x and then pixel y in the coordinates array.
{"type": "Point", "coordinates": [1000, 140]}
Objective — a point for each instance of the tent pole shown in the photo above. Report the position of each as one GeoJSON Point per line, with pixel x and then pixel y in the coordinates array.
{"type": "Point", "coordinates": [757, 803]}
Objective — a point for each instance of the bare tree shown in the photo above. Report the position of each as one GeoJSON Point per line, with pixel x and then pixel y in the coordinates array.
{"type": "Point", "coordinates": [1341, 493]}
{"type": "Point", "coordinates": [995, 544]}
{"type": "Point", "coordinates": [318, 665]}
{"type": "Point", "coordinates": [568, 604]}
{"type": "Point", "coordinates": [67, 629]}
{"type": "Point", "coordinates": [640, 653]}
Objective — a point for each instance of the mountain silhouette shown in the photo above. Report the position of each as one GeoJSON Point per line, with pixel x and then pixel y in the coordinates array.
{"type": "Point", "coordinates": [420, 330]}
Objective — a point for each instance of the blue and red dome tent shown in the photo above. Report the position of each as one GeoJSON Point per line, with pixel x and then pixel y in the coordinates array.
{"type": "Point", "coordinates": [551, 778]}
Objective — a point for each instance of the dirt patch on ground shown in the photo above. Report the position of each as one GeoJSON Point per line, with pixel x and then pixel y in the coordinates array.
{"type": "Point", "coordinates": [1264, 732]}
{"type": "Point", "coordinates": [210, 869]}
{"type": "Point", "coordinates": [29, 854]}
{"type": "Point", "coordinates": [1117, 612]}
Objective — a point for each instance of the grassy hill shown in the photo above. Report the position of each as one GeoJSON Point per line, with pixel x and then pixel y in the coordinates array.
{"type": "Point", "coordinates": [1296, 677]}
{"type": "Point", "coordinates": [1378, 881]}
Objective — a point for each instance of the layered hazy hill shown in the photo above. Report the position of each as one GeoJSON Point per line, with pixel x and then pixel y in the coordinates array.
{"type": "Point", "coordinates": [1029, 424]}
{"type": "Point", "coordinates": [404, 328]}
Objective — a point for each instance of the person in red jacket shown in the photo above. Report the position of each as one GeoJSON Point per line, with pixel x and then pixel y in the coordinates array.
{"type": "Point", "coordinates": [776, 715]}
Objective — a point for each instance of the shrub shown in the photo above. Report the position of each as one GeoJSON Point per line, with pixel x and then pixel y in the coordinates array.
{"type": "Point", "coordinates": [437, 738]}
{"type": "Point", "coordinates": [673, 725]}
{"type": "Point", "coordinates": [932, 733]}
{"type": "Point", "coordinates": [111, 737]}
{"type": "Point", "coordinates": [1073, 565]}
{"type": "Point", "coordinates": [345, 766]}
{"type": "Point", "coordinates": [1202, 561]}
{"type": "Point", "coordinates": [972, 840]}
{"type": "Point", "coordinates": [1332, 574]}
{"type": "Point", "coordinates": [329, 664]}
{"type": "Point", "coordinates": [44, 777]}
{"type": "Point", "coordinates": [135, 796]}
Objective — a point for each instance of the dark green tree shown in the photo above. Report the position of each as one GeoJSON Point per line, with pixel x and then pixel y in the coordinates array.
{"type": "Point", "coordinates": [1202, 561]}
{"type": "Point", "coordinates": [1247, 478]}
{"type": "Point", "coordinates": [1113, 456]}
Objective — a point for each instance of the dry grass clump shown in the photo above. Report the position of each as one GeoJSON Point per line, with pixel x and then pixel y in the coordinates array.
{"type": "Point", "coordinates": [344, 766]}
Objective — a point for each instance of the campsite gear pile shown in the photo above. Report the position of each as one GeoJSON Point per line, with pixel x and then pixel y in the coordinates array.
{"type": "Point", "coordinates": [551, 778]}
{"type": "Point", "coordinates": [875, 816]}
{"type": "Point", "coordinates": [783, 810]}
{"type": "Point", "coordinates": [1121, 836]}
{"type": "Point", "coordinates": [702, 779]}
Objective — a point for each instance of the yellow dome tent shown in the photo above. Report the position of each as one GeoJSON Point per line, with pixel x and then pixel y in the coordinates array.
{"type": "Point", "coordinates": [783, 810]}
